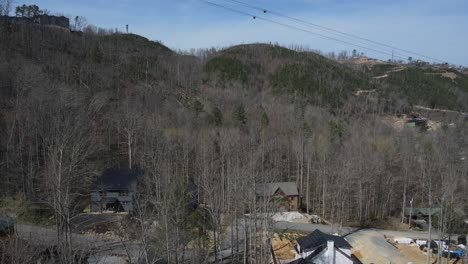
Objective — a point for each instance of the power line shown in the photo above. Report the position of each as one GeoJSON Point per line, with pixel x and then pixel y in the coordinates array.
{"type": "Point", "coordinates": [332, 30]}
{"type": "Point", "coordinates": [299, 29]}
{"type": "Point", "coordinates": [329, 31]}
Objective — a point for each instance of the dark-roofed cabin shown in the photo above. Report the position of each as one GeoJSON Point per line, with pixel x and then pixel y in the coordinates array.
{"type": "Point", "coordinates": [319, 247]}
{"type": "Point", "coordinates": [114, 190]}
{"type": "Point", "coordinates": [285, 194]}
{"type": "Point", "coordinates": [422, 213]}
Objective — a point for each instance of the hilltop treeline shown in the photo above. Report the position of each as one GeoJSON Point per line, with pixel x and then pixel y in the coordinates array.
{"type": "Point", "coordinates": [74, 104]}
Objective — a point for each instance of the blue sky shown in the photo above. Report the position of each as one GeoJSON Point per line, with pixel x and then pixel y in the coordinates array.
{"type": "Point", "coordinates": [437, 28]}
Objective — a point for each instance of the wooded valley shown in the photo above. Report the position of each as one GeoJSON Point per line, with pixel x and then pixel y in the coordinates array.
{"type": "Point", "coordinates": [207, 127]}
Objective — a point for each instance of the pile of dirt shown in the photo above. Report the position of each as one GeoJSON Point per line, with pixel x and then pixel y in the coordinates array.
{"type": "Point", "coordinates": [288, 217]}
{"type": "Point", "coordinates": [450, 75]}
{"type": "Point", "coordinates": [415, 254]}
{"type": "Point", "coordinates": [283, 248]}
{"type": "Point", "coordinates": [434, 125]}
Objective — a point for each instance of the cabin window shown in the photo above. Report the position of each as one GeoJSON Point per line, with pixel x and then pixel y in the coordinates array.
{"type": "Point", "coordinates": [123, 193]}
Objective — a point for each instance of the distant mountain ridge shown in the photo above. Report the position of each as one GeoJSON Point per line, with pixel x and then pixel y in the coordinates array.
{"type": "Point", "coordinates": [307, 76]}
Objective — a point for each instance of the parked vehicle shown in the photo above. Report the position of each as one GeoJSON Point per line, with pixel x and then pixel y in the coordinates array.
{"type": "Point", "coordinates": [7, 226]}
{"type": "Point", "coordinates": [453, 254]}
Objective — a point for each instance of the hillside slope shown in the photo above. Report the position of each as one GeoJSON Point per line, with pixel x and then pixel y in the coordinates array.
{"type": "Point", "coordinates": [325, 82]}
{"type": "Point", "coordinates": [433, 87]}
{"type": "Point", "coordinates": [284, 71]}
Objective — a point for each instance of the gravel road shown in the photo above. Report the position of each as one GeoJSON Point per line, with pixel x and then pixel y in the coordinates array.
{"type": "Point", "coordinates": [103, 251]}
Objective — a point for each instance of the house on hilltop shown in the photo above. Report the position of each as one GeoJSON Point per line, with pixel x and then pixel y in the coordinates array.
{"type": "Point", "coordinates": [322, 248]}
{"type": "Point", "coordinates": [285, 194]}
{"type": "Point", "coordinates": [115, 190]}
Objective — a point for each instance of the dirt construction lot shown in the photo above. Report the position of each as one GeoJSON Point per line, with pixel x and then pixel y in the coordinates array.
{"type": "Point", "coordinates": [370, 246]}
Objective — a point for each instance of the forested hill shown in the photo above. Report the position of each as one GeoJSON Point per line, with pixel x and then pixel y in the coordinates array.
{"type": "Point", "coordinates": [322, 81]}
{"type": "Point", "coordinates": [73, 104]}
{"type": "Point", "coordinates": [256, 67]}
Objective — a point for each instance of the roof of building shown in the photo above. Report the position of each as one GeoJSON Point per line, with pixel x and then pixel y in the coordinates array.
{"type": "Point", "coordinates": [269, 189]}
{"type": "Point", "coordinates": [318, 238]}
{"type": "Point", "coordinates": [422, 211]}
{"type": "Point", "coordinates": [117, 179]}
{"type": "Point", "coordinates": [321, 250]}
{"type": "Point", "coordinates": [308, 259]}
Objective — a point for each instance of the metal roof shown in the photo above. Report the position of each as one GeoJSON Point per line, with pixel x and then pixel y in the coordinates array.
{"type": "Point", "coordinates": [423, 211]}
{"type": "Point", "coordinates": [269, 189]}
{"type": "Point", "coordinates": [318, 238]}
{"type": "Point", "coordinates": [117, 179]}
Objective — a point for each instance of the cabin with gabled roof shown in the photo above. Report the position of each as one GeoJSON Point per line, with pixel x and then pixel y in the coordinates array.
{"type": "Point", "coordinates": [285, 194]}
{"type": "Point", "coordinates": [115, 190]}
{"type": "Point", "coordinates": [322, 248]}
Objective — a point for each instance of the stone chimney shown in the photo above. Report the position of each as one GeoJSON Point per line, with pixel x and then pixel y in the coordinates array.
{"type": "Point", "coordinates": [331, 252]}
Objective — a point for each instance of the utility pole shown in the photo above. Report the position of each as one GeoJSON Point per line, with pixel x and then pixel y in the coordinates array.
{"type": "Point", "coordinates": [429, 250]}
{"type": "Point", "coordinates": [392, 57]}
{"type": "Point", "coordinates": [410, 212]}
{"type": "Point", "coordinates": [126, 26]}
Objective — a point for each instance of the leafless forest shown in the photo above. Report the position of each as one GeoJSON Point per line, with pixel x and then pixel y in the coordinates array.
{"type": "Point", "coordinates": [208, 126]}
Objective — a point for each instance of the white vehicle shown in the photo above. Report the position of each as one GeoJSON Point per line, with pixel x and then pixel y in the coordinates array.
{"type": "Point", "coordinates": [403, 240]}
{"type": "Point", "coordinates": [421, 242]}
